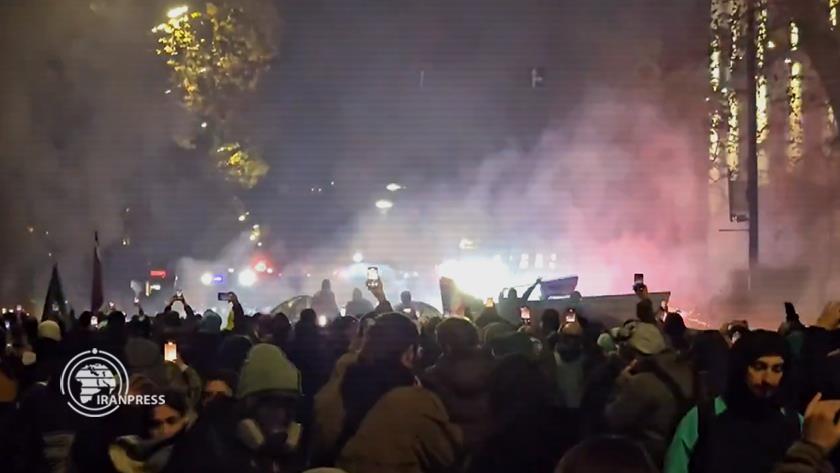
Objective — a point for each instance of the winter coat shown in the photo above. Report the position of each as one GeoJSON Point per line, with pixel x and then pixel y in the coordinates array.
{"type": "Point", "coordinates": [804, 457]}
{"type": "Point", "coordinates": [461, 383]}
{"type": "Point", "coordinates": [646, 408]}
{"type": "Point", "coordinates": [328, 416]}
{"type": "Point", "coordinates": [732, 444]}
{"type": "Point", "coordinates": [407, 430]}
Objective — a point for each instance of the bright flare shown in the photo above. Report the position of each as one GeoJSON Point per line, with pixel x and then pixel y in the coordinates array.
{"type": "Point", "coordinates": [384, 204]}
{"type": "Point", "coordinates": [207, 279]}
{"type": "Point", "coordinates": [247, 278]}
{"type": "Point", "coordinates": [358, 257]}
{"type": "Point", "coordinates": [393, 187]}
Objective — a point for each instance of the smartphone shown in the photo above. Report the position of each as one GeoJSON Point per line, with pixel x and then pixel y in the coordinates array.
{"type": "Point", "coordinates": [170, 351]}
{"type": "Point", "coordinates": [112, 306]}
{"type": "Point", "coordinates": [736, 336]}
{"type": "Point", "coordinates": [489, 302]}
{"type": "Point", "coordinates": [322, 320]}
{"type": "Point", "coordinates": [94, 321]}
{"type": "Point", "coordinates": [136, 300]}
{"type": "Point", "coordinates": [373, 276]}
{"type": "Point", "coordinates": [179, 294]}
{"type": "Point", "coordinates": [8, 325]}
{"type": "Point", "coordinates": [223, 296]}
{"type": "Point", "coordinates": [571, 316]}
{"type": "Point", "coordinates": [638, 278]}
{"type": "Point", "coordinates": [525, 315]}
{"type": "Point", "coordinates": [18, 308]}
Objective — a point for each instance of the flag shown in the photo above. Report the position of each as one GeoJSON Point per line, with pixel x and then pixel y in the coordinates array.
{"type": "Point", "coordinates": [96, 293]}
{"type": "Point", "coordinates": [55, 304]}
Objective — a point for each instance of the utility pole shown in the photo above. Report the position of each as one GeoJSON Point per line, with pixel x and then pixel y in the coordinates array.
{"type": "Point", "coordinates": [752, 136]}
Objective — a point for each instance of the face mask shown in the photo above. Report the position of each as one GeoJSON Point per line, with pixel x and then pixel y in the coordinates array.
{"type": "Point", "coordinates": [273, 444]}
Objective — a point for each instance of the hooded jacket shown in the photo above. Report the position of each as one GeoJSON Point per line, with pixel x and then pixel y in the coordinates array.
{"type": "Point", "coordinates": [746, 434]}
{"type": "Point", "coordinates": [646, 408]}
{"type": "Point", "coordinates": [461, 383]}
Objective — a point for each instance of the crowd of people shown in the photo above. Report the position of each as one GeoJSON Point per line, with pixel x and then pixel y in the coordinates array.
{"type": "Point", "coordinates": [381, 390]}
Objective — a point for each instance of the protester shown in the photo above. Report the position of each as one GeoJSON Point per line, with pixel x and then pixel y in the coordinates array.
{"type": "Point", "coordinates": [460, 378]}
{"type": "Point", "coordinates": [644, 308]}
{"type": "Point", "coordinates": [528, 430]}
{"type": "Point", "coordinates": [406, 306]}
{"type": "Point", "coordinates": [380, 421]}
{"type": "Point", "coordinates": [358, 306]}
{"type": "Point", "coordinates": [653, 391]}
{"type": "Point", "coordinates": [323, 302]}
{"type": "Point", "coordinates": [377, 395]}
{"type": "Point", "coordinates": [747, 429]}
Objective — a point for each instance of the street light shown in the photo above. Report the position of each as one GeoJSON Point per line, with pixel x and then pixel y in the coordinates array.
{"type": "Point", "coordinates": [384, 204]}
{"type": "Point", "coordinates": [393, 187]}
{"type": "Point", "coordinates": [207, 279]}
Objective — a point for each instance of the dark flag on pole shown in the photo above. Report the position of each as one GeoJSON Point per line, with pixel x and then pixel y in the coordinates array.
{"type": "Point", "coordinates": [96, 293]}
{"type": "Point", "coordinates": [54, 304]}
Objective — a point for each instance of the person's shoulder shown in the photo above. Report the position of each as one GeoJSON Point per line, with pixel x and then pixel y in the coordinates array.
{"type": "Point", "coordinates": [419, 399]}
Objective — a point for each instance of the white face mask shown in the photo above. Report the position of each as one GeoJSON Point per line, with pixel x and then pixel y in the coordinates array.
{"type": "Point", "coordinates": [252, 436]}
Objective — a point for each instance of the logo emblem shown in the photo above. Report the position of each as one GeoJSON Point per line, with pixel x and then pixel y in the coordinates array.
{"type": "Point", "coordinates": [94, 382]}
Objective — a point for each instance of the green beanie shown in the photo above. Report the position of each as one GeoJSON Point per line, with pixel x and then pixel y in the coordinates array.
{"type": "Point", "coordinates": [267, 369]}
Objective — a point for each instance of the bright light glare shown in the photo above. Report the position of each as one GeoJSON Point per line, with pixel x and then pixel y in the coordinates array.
{"type": "Point", "coordinates": [247, 278]}
{"type": "Point", "coordinates": [322, 320]}
{"type": "Point", "coordinates": [177, 11]}
{"type": "Point", "coordinates": [384, 204]}
{"type": "Point", "coordinates": [261, 266]}
{"type": "Point", "coordinates": [358, 257]}
{"type": "Point", "coordinates": [242, 218]}
{"type": "Point", "coordinates": [203, 124]}
{"type": "Point", "coordinates": [480, 277]}
{"type": "Point", "coordinates": [207, 279]}
{"type": "Point", "coordinates": [393, 187]}
{"type": "Point", "coordinates": [270, 270]}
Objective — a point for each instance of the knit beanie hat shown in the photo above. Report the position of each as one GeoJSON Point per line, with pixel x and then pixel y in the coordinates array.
{"type": "Point", "coordinates": [267, 369]}
{"type": "Point", "coordinates": [50, 330]}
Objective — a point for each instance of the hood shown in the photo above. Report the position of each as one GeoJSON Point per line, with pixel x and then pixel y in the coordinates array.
{"type": "Point", "coordinates": [465, 375]}
{"type": "Point", "coordinates": [748, 348]}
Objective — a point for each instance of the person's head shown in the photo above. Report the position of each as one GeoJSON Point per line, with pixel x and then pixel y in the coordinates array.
{"type": "Point", "coordinates": [600, 454]}
{"type": "Point", "coordinates": [641, 290]}
{"type": "Point", "coordinates": [570, 341]}
{"type": "Point", "coordinates": [325, 285]}
{"type": "Point", "coordinates": [84, 320]}
{"type": "Point", "coordinates": [757, 367]}
{"type": "Point", "coordinates": [550, 321]}
{"type": "Point", "coordinates": [267, 393]}
{"type": "Point", "coordinates": [357, 294]}
{"type": "Point", "coordinates": [512, 294]}
{"type": "Point", "coordinates": [308, 317]}
{"type": "Point", "coordinates": [210, 323]}
{"type": "Point", "coordinates": [674, 328]}
{"type": "Point", "coordinates": [281, 329]}
{"type": "Point", "coordinates": [494, 331]}
{"type": "Point", "coordinates": [232, 352]}
{"type": "Point", "coordinates": [392, 340]}
{"type": "Point", "coordinates": [49, 330]}
{"type": "Point", "coordinates": [220, 384]}
{"type": "Point", "coordinates": [405, 297]}
{"type": "Point", "coordinates": [575, 297]}
{"type": "Point", "coordinates": [456, 336]}
{"type": "Point", "coordinates": [641, 339]}
{"type": "Point", "coordinates": [170, 418]}
{"type": "Point", "coordinates": [517, 385]}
